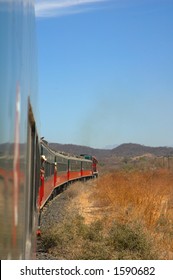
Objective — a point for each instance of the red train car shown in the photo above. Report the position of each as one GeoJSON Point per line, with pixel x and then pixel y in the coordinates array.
{"type": "Point", "coordinates": [94, 163]}
{"type": "Point", "coordinates": [58, 169]}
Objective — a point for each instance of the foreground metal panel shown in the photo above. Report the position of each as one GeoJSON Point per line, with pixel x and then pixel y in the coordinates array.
{"type": "Point", "coordinates": [18, 133]}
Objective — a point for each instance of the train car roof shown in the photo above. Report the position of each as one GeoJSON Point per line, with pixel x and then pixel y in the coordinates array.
{"type": "Point", "coordinates": [63, 154]}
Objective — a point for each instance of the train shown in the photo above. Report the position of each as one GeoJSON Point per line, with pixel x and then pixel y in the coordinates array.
{"type": "Point", "coordinates": [31, 172]}
{"type": "Point", "coordinates": [59, 169]}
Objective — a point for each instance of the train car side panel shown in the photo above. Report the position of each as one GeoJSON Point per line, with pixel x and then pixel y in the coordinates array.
{"type": "Point", "coordinates": [74, 168]}
{"type": "Point", "coordinates": [61, 169]}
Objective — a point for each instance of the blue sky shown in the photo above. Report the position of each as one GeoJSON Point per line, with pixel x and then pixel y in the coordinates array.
{"type": "Point", "coordinates": [106, 71]}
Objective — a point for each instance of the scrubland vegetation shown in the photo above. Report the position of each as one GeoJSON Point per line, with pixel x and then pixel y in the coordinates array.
{"type": "Point", "coordinates": [125, 214]}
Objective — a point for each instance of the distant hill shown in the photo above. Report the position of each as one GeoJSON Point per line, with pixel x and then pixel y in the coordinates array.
{"type": "Point", "coordinates": [124, 150]}
{"type": "Point", "coordinates": [110, 147]}
{"type": "Point", "coordinates": [132, 150]}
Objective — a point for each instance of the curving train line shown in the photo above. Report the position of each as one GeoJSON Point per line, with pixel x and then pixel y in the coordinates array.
{"type": "Point", "coordinates": [57, 170]}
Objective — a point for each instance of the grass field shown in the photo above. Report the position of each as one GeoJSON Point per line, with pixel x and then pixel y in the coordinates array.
{"type": "Point", "coordinates": [145, 198]}
{"type": "Point", "coordinates": [122, 215]}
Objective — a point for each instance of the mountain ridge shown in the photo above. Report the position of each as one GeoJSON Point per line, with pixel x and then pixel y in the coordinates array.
{"type": "Point", "coordinates": [123, 150]}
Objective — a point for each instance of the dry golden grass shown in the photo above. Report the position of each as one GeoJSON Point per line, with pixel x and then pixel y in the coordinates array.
{"type": "Point", "coordinates": [121, 215]}
{"type": "Point", "coordinates": [143, 197]}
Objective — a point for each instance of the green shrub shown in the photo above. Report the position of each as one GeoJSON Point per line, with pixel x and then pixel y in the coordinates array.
{"type": "Point", "coordinates": [73, 239]}
{"type": "Point", "coordinates": [49, 239]}
{"type": "Point", "coordinates": [94, 231]}
{"type": "Point", "coordinates": [131, 242]}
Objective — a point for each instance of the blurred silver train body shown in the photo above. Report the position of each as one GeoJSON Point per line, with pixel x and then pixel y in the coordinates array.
{"type": "Point", "coordinates": [19, 145]}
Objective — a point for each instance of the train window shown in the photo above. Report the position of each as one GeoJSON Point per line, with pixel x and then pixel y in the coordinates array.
{"type": "Point", "coordinates": [86, 165]}
{"type": "Point", "coordinates": [49, 169]}
{"type": "Point", "coordinates": [62, 164]}
{"type": "Point", "coordinates": [52, 168]}
{"type": "Point", "coordinates": [75, 165]}
{"type": "Point", "coordinates": [46, 170]}
{"type": "Point", "coordinates": [61, 167]}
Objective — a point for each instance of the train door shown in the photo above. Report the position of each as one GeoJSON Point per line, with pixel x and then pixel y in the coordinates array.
{"type": "Point", "coordinates": [32, 186]}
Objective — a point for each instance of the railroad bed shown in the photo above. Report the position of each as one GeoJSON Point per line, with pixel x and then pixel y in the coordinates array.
{"type": "Point", "coordinates": [71, 202]}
